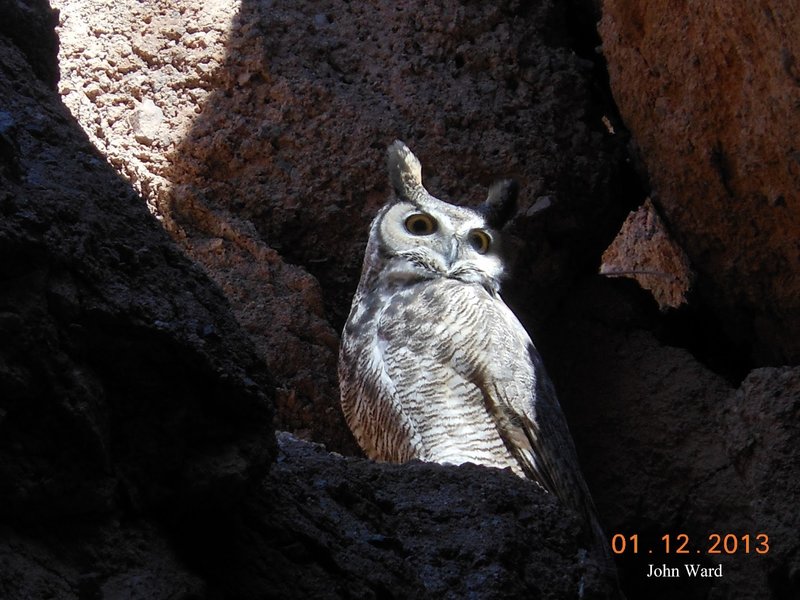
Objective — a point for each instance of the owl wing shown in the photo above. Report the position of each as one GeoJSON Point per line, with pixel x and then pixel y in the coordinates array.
{"type": "Point", "coordinates": [529, 418]}
{"type": "Point", "coordinates": [448, 335]}
{"type": "Point", "coordinates": [483, 343]}
{"type": "Point", "coordinates": [524, 405]}
{"type": "Point", "coordinates": [424, 336]}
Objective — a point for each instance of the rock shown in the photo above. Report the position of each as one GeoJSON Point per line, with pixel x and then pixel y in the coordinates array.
{"type": "Point", "coordinates": [324, 526]}
{"type": "Point", "coordinates": [133, 560]}
{"type": "Point", "coordinates": [670, 447]}
{"type": "Point", "coordinates": [111, 391]}
{"type": "Point", "coordinates": [286, 159]}
{"type": "Point", "coordinates": [9, 149]}
{"type": "Point", "coordinates": [644, 251]}
{"type": "Point", "coordinates": [146, 122]}
{"type": "Point", "coordinates": [710, 94]}
{"type": "Point", "coordinates": [135, 443]}
{"type": "Point", "coordinates": [762, 429]}
{"type": "Point", "coordinates": [142, 117]}
{"type": "Point", "coordinates": [135, 434]}
{"type": "Point", "coordinates": [30, 26]}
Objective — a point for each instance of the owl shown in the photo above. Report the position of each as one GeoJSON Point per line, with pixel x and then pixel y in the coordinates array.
{"type": "Point", "coordinates": [433, 365]}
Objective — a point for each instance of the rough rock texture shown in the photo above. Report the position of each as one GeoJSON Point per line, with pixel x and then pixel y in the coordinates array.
{"type": "Point", "coordinates": [133, 448]}
{"type": "Point", "coordinates": [137, 77]}
{"type": "Point", "coordinates": [90, 559]}
{"type": "Point", "coordinates": [135, 433]}
{"type": "Point", "coordinates": [321, 526]}
{"type": "Point", "coordinates": [325, 527]}
{"type": "Point", "coordinates": [645, 252]}
{"type": "Point", "coordinates": [30, 24]}
{"type": "Point", "coordinates": [674, 448]}
{"type": "Point", "coordinates": [126, 386]}
{"type": "Point", "coordinates": [285, 162]}
{"type": "Point", "coordinates": [112, 343]}
{"type": "Point", "coordinates": [710, 92]}
{"type": "Point", "coordinates": [761, 423]}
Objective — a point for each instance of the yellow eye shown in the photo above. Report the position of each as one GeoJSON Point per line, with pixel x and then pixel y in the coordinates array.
{"type": "Point", "coordinates": [421, 224]}
{"type": "Point", "coordinates": [480, 241]}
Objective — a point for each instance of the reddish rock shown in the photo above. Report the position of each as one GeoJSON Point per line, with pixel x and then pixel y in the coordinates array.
{"type": "Point", "coordinates": [267, 159]}
{"type": "Point", "coordinates": [710, 92]}
{"type": "Point", "coordinates": [113, 344]}
{"type": "Point", "coordinates": [672, 448]}
{"type": "Point", "coordinates": [135, 433]}
{"type": "Point", "coordinates": [262, 155]}
{"type": "Point", "coordinates": [644, 251]}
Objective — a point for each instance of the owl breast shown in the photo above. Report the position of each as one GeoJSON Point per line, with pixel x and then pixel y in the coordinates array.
{"type": "Point", "coordinates": [426, 358]}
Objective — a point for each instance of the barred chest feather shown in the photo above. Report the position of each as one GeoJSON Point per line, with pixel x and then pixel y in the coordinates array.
{"type": "Point", "coordinates": [419, 352]}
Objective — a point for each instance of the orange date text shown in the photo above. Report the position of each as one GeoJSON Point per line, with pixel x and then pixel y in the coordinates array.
{"type": "Point", "coordinates": [681, 543]}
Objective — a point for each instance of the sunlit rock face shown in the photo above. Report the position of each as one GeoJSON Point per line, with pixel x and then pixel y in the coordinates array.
{"type": "Point", "coordinates": [710, 93]}
{"type": "Point", "coordinates": [256, 133]}
{"type": "Point", "coordinates": [135, 443]}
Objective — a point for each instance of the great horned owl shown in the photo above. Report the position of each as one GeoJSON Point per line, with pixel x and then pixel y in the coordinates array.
{"type": "Point", "coordinates": [433, 365]}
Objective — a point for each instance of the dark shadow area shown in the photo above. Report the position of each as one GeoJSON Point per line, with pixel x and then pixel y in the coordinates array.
{"type": "Point", "coordinates": [135, 436]}
{"type": "Point", "coordinates": [325, 527]}
{"type": "Point", "coordinates": [697, 329]}
{"type": "Point", "coordinates": [126, 386]}
{"type": "Point", "coordinates": [135, 424]}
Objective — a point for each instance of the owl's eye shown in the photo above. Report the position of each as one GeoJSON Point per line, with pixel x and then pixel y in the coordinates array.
{"type": "Point", "coordinates": [480, 241]}
{"type": "Point", "coordinates": [421, 224]}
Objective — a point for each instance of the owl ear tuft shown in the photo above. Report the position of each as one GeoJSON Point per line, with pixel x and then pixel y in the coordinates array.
{"type": "Point", "coordinates": [405, 170]}
{"type": "Point", "coordinates": [501, 203]}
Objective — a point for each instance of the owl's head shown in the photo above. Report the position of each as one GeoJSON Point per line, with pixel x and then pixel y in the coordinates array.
{"type": "Point", "coordinates": [418, 236]}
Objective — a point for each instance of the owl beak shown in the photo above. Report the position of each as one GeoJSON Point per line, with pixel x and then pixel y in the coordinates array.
{"type": "Point", "coordinates": [452, 252]}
